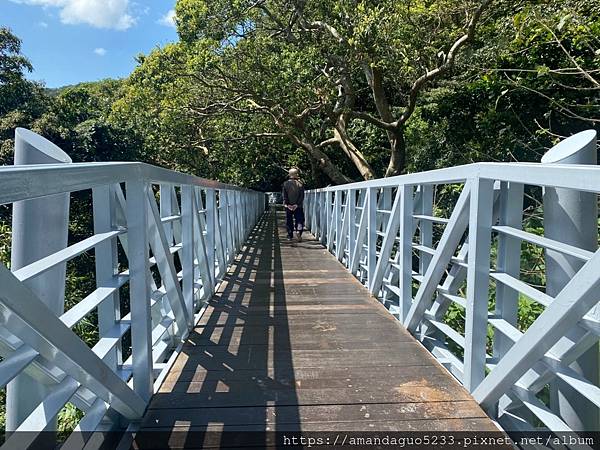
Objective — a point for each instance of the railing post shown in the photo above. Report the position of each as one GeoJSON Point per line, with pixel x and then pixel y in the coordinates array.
{"type": "Point", "coordinates": [476, 321]}
{"type": "Point", "coordinates": [210, 234]}
{"type": "Point", "coordinates": [168, 207]}
{"type": "Point", "coordinates": [308, 210]}
{"type": "Point", "coordinates": [319, 214]}
{"type": "Point", "coordinates": [385, 203]}
{"type": "Point", "coordinates": [243, 219]}
{"type": "Point", "coordinates": [40, 228]}
{"type": "Point", "coordinates": [107, 265]}
{"type": "Point", "coordinates": [228, 226]}
{"type": "Point", "coordinates": [357, 252]}
{"type": "Point", "coordinates": [330, 218]}
{"type": "Point", "coordinates": [232, 227]}
{"type": "Point", "coordinates": [167, 210]}
{"type": "Point", "coordinates": [351, 224]}
{"type": "Point", "coordinates": [187, 253]}
{"type": "Point", "coordinates": [371, 206]}
{"type": "Point", "coordinates": [509, 260]}
{"type": "Point", "coordinates": [405, 250]}
{"type": "Point", "coordinates": [572, 217]}
{"type": "Point", "coordinates": [236, 221]}
{"type": "Point", "coordinates": [425, 226]}
{"type": "Point", "coordinates": [239, 209]}
{"type": "Point", "coordinates": [337, 223]}
{"type": "Point", "coordinates": [325, 227]}
{"type": "Point", "coordinates": [224, 223]}
{"type": "Point", "coordinates": [139, 294]}
{"type": "Point", "coordinates": [390, 232]}
{"type": "Point", "coordinates": [313, 218]}
{"type": "Point", "coordinates": [323, 217]}
{"type": "Point", "coordinates": [203, 271]}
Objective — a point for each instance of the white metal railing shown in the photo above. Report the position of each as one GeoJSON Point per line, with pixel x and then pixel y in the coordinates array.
{"type": "Point", "coordinates": [193, 232]}
{"type": "Point", "coordinates": [390, 235]}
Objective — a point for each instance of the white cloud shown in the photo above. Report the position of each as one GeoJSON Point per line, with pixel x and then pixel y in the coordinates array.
{"type": "Point", "coordinates": [100, 51]}
{"type": "Point", "coordinates": [168, 19]}
{"type": "Point", "coordinates": [43, 24]}
{"type": "Point", "coordinates": [114, 14]}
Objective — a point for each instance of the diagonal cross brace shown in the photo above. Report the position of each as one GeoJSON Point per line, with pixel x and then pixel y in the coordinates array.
{"type": "Point", "coordinates": [391, 232]}
{"type": "Point", "coordinates": [443, 254]}
{"type": "Point", "coordinates": [570, 305]}
{"type": "Point", "coordinates": [200, 246]}
{"type": "Point", "coordinates": [165, 264]}
{"type": "Point", "coordinates": [343, 237]}
{"type": "Point", "coordinates": [360, 237]}
{"type": "Point", "coordinates": [26, 316]}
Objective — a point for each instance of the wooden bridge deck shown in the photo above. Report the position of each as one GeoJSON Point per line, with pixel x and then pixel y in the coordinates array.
{"type": "Point", "coordinates": [293, 342]}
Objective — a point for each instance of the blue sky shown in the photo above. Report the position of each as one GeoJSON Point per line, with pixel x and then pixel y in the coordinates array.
{"type": "Point", "coordinates": [70, 41]}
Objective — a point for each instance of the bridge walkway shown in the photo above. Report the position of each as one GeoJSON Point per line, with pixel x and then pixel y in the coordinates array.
{"type": "Point", "coordinates": [293, 342]}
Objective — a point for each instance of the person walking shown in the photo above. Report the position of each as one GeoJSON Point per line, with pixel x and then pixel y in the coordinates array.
{"type": "Point", "coordinates": [293, 200]}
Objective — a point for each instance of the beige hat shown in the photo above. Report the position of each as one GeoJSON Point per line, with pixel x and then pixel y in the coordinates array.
{"type": "Point", "coordinates": [294, 173]}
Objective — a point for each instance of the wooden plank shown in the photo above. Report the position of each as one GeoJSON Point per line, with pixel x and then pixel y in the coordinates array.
{"type": "Point", "coordinates": [280, 375]}
{"type": "Point", "coordinates": [409, 353]}
{"type": "Point", "coordinates": [254, 436]}
{"type": "Point", "coordinates": [369, 320]}
{"type": "Point", "coordinates": [328, 339]}
{"type": "Point", "coordinates": [344, 338]}
{"type": "Point", "coordinates": [246, 395]}
{"type": "Point", "coordinates": [434, 386]}
{"type": "Point", "coordinates": [271, 415]}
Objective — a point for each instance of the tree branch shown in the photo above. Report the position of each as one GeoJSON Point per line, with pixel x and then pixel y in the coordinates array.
{"type": "Point", "coordinates": [445, 66]}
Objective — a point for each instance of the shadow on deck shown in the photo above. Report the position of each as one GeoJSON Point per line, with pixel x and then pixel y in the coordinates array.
{"type": "Point", "coordinates": [293, 342]}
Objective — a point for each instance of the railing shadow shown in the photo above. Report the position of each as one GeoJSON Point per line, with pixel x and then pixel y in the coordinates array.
{"type": "Point", "coordinates": [237, 365]}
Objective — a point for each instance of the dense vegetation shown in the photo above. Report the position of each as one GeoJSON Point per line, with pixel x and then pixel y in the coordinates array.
{"type": "Point", "coordinates": [344, 89]}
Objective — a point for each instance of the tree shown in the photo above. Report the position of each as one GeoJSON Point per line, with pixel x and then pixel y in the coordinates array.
{"type": "Point", "coordinates": [77, 119]}
{"type": "Point", "coordinates": [157, 104]}
{"type": "Point", "coordinates": [307, 71]}
{"type": "Point", "coordinates": [531, 85]}
{"type": "Point", "coordinates": [555, 54]}
{"type": "Point", "coordinates": [21, 101]}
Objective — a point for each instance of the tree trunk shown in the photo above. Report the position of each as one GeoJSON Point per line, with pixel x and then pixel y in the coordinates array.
{"type": "Point", "coordinates": [397, 162]}
{"type": "Point", "coordinates": [351, 150]}
{"type": "Point", "coordinates": [325, 164]}
{"type": "Point", "coordinates": [396, 136]}
{"type": "Point", "coordinates": [321, 159]}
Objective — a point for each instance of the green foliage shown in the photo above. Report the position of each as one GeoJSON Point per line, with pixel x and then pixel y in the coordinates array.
{"type": "Point", "coordinates": [68, 418]}
{"type": "Point", "coordinates": [12, 63]}
{"type": "Point", "coordinates": [246, 71]}
{"type": "Point", "coordinates": [21, 101]}
{"type": "Point", "coordinates": [2, 409]}
{"type": "Point", "coordinates": [77, 120]}
{"type": "Point", "coordinates": [535, 80]}
{"type": "Point", "coordinates": [5, 242]}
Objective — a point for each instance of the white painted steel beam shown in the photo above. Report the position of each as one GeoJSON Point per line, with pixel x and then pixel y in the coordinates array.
{"type": "Point", "coordinates": [25, 316]}
{"type": "Point", "coordinates": [448, 243]}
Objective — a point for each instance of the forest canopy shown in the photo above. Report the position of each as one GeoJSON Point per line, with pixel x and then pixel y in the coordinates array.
{"type": "Point", "coordinates": [344, 89]}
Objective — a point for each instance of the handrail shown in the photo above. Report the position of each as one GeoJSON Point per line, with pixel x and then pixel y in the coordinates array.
{"type": "Point", "coordinates": [389, 234]}
{"type": "Point", "coordinates": [571, 176]}
{"type": "Point", "coordinates": [194, 228]}
{"type": "Point", "coordinates": [40, 180]}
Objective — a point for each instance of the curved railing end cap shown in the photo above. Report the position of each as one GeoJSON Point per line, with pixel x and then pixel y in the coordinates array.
{"type": "Point", "coordinates": [43, 145]}
{"type": "Point", "coordinates": [569, 146]}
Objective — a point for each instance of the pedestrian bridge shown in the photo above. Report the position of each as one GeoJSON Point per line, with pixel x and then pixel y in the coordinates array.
{"type": "Point", "coordinates": [398, 312]}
